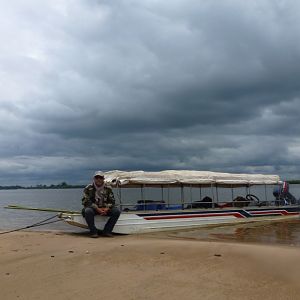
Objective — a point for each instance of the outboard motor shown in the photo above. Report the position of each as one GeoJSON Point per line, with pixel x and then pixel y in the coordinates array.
{"type": "Point", "coordinates": [282, 194]}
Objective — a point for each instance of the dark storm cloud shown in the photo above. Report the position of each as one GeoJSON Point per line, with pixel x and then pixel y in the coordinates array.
{"type": "Point", "coordinates": [148, 85]}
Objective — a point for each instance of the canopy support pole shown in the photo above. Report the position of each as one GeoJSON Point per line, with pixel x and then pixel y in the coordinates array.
{"type": "Point", "coordinates": [168, 196]}
{"type": "Point", "coordinates": [182, 196]}
{"type": "Point", "coordinates": [142, 196]}
{"type": "Point", "coordinates": [120, 195]}
{"type": "Point", "coordinates": [191, 196]}
{"type": "Point", "coordinates": [266, 197]}
{"type": "Point", "coordinates": [200, 192]}
{"type": "Point", "coordinates": [213, 196]}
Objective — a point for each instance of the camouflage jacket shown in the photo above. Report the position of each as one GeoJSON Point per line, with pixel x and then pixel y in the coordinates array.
{"type": "Point", "coordinates": [89, 197]}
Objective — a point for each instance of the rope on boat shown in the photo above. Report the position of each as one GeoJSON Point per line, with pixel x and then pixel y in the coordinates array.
{"type": "Point", "coordinates": [41, 209]}
{"type": "Point", "coordinates": [40, 223]}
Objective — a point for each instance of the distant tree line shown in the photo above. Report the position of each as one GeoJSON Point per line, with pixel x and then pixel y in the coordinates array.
{"type": "Point", "coordinates": [296, 181]}
{"type": "Point", "coordinates": [65, 185]}
{"type": "Point", "coordinates": [62, 185]}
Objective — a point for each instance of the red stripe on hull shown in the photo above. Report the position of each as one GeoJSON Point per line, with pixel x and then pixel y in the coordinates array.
{"type": "Point", "coordinates": [272, 212]}
{"type": "Point", "coordinates": [268, 213]}
{"type": "Point", "coordinates": [237, 215]}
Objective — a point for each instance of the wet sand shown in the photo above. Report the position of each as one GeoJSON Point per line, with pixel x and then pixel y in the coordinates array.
{"type": "Point", "coordinates": [40, 265]}
{"type": "Point", "coordinates": [279, 232]}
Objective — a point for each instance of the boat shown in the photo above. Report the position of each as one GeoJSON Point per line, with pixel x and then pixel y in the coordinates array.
{"type": "Point", "coordinates": [148, 215]}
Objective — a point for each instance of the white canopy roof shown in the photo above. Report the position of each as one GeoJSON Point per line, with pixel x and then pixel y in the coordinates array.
{"type": "Point", "coordinates": [182, 177]}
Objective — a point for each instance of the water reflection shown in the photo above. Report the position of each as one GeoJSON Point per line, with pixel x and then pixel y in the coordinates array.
{"type": "Point", "coordinates": [285, 232]}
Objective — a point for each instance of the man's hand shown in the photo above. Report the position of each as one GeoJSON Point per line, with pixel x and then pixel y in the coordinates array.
{"type": "Point", "coordinates": [102, 211]}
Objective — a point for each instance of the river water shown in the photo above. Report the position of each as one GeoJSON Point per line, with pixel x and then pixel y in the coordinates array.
{"type": "Point", "coordinates": [280, 232]}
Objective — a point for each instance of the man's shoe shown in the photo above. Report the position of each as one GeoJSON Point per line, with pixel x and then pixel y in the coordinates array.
{"type": "Point", "coordinates": [106, 234]}
{"type": "Point", "coordinates": [94, 235]}
{"type": "Point", "coordinates": [100, 232]}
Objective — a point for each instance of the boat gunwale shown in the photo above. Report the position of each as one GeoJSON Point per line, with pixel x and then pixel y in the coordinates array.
{"type": "Point", "coordinates": [195, 210]}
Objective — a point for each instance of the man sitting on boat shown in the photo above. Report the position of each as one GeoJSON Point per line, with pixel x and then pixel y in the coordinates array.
{"type": "Point", "coordinates": [98, 199]}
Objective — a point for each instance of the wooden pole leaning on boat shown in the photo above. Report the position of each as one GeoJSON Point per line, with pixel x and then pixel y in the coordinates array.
{"type": "Point", "coordinates": [42, 209]}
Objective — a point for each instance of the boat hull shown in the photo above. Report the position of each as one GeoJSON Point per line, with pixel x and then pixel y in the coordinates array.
{"type": "Point", "coordinates": [142, 221]}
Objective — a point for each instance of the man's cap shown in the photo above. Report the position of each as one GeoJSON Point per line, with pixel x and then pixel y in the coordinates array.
{"type": "Point", "coordinates": [99, 174]}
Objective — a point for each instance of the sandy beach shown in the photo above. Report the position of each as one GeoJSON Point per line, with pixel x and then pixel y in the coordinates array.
{"type": "Point", "coordinates": [53, 265]}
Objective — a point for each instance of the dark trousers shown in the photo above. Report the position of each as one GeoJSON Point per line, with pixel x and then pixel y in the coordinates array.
{"type": "Point", "coordinates": [113, 214]}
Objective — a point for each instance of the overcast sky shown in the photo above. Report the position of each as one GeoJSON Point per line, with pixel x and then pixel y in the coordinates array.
{"type": "Point", "coordinates": [151, 85]}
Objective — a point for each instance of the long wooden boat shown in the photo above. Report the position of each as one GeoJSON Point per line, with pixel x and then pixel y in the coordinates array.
{"type": "Point", "coordinates": [158, 215]}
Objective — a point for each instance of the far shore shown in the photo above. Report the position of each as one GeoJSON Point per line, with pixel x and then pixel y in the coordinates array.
{"type": "Point", "coordinates": [65, 185]}
{"type": "Point", "coordinates": [56, 265]}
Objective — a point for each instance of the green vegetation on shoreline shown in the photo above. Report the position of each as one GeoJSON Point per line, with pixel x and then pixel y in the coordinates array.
{"type": "Point", "coordinates": [65, 185]}
{"type": "Point", "coordinates": [296, 181]}
{"type": "Point", "coordinates": [62, 185]}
